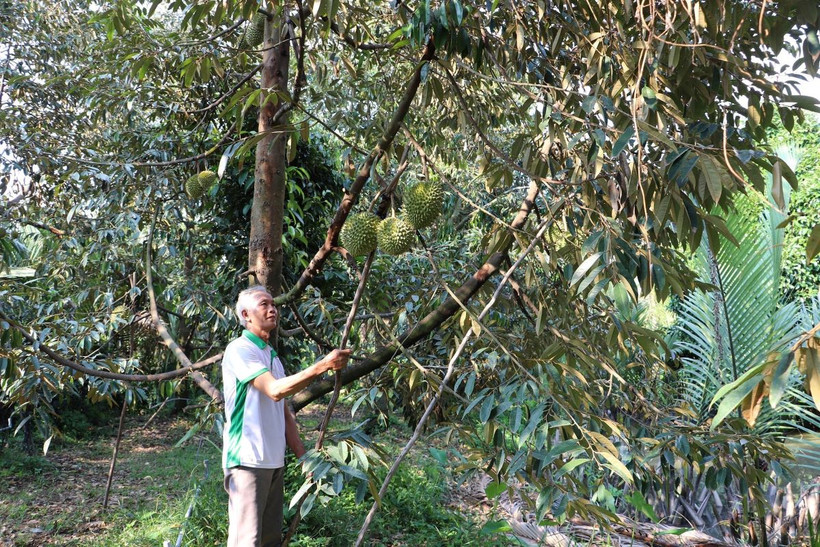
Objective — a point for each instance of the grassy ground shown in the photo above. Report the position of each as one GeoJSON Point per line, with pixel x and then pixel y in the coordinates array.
{"type": "Point", "coordinates": [57, 500]}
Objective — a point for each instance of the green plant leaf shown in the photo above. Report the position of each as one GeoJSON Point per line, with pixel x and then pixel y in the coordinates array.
{"type": "Point", "coordinates": [495, 489]}
{"type": "Point", "coordinates": [813, 243]}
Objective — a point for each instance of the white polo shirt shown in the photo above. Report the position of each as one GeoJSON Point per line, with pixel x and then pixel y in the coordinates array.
{"type": "Point", "coordinates": [254, 433]}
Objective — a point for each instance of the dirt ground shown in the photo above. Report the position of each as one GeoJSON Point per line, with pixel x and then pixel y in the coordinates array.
{"type": "Point", "coordinates": [64, 501]}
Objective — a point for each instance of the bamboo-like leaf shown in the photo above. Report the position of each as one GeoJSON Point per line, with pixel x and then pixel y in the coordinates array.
{"type": "Point", "coordinates": [584, 268]}
{"type": "Point", "coordinates": [616, 465]}
{"type": "Point", "coordinates": [733, 398]}
{"type": "Point", "coordinates": [813, 244]}
{"type": "Point", "coordinates": [780, 377]}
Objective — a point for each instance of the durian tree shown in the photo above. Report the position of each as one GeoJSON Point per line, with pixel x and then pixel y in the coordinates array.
{"type": "Point", "coordinates": [579, 146]}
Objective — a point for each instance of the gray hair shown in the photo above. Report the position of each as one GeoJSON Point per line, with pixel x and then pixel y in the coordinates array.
{"type": "Point", "coordinates": [245, 300]}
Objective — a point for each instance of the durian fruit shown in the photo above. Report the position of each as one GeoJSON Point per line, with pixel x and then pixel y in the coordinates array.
{"type": "Point", "coordinates": [358, 234]}
{"type": "Point", "coordinates": [395, 236]}
{"type": "Point", "coordinates": [255, 31]}
{"type": "Point", "coordinates": [193, 188]}
{"type": "Point", "coordinates": [422, 203]}
{"type": "Point", "coordinates": [198, 184]}
{"type": "Point", "coordinates": [206, 179]}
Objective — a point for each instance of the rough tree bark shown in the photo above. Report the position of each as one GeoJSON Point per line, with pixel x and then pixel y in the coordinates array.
{"type": "Point", "coordinates": [265, 256]}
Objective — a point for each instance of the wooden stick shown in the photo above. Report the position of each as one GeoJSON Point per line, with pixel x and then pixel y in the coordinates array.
{"type": "Point", "coordinates": [114, 455]}
{"type": "Point", "coordinates": [337, 388]}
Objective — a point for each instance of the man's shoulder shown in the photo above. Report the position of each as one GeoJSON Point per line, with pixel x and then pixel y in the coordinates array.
{"type": "Point", "coordinates": [240, 345]}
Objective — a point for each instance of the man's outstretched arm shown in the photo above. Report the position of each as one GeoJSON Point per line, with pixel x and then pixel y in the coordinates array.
{"type": "Point", "coordinates": [284, 387]}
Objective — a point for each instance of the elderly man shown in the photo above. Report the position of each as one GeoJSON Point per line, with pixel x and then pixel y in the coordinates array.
{"type": "Point", "coordinates": [258, 422]}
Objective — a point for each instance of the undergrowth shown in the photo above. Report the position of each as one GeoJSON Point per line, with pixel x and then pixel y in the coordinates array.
{"type": "Point", "coordinates": [157, 482]}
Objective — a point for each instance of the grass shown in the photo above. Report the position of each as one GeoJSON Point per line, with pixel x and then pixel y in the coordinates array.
{"type": "Point", "coordinates": [57, 500]}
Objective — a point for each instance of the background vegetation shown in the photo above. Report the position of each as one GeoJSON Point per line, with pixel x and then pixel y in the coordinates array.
{"type": "Point", "coordinates": [615, 317]}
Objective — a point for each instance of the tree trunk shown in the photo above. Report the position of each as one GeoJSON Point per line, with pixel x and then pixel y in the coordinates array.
{"type": "Point", "coordinates": [267, 212]}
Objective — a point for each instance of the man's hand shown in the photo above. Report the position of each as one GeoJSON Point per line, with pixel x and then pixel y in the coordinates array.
{"type": "Point", "coordinates": [336, 359]}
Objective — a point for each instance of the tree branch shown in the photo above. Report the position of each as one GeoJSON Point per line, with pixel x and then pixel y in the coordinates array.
{"type": "Point", "coordinates": [303, 327]}
{"type": "Point", "coordinates": [68, 363]}
{"type": "Point", "coordinates": [229, 92]}
{"type": "Point", "coordinates": [352, 43]}
{"type": "Point", "coordinates": [162, 330]}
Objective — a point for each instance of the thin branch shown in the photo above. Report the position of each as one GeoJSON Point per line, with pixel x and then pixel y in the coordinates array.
{"type": "Point", "coordinates": [348, 325]}
{"type": "Point", "coordinates": [303, 327]}
{"type": "Point", "coordinates": [68, 363]}
{"type": "Point", "coordinates": [347, 143]}
{"type": "Point", "coordinates": [386, 192]}
{"type": "Point", "coordinates": [337, 389]}
{"type": "Point", "coordinates": [434, 402]}
{"type": "Point", "coordinates": [215, 36]}
{"type": "Point", "coordinates": [371, 46]}
{"type": "Point", "coordinates": [114, 455]}
{"type": "Point", "coordinates": [229, 92]}
{"type": "Point", "coordinates": [56, 231]}
{"type": "Point", "coordinates": [162, 330]}
{"type": "Point", "coordinates": [189, 159]}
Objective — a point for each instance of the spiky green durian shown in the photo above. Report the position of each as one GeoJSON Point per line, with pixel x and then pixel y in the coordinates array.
{"type": "Point", "coordinates": [395, 236]}
{"type": "Point", "coordinates": [193, 188]}
{"type": "Point", "coordinates": [255, 31]}
{"type": "Point", "coordinates": [198, 184]}
{"type": "Point", "coordinates": [422, 203]}
{"type": "Point", "coordinates": [358, 235]}
{"type": "Point", "coordinates": [206, 179]}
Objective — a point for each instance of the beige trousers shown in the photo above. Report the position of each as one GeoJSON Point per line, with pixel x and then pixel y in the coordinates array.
{"type": "Point", "coordinates": [255, 499]}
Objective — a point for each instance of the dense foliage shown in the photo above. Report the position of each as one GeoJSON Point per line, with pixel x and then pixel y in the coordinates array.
{"type": "Point", "coordinates": [586, 150]}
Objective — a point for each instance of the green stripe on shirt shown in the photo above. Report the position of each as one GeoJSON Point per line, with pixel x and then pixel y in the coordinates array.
{"type": "Point", "coordinates": [237, 421]}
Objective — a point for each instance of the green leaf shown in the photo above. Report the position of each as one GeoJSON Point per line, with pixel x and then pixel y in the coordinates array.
{"type": "Point", "coordinates": [638, 501]}
{"type": "Point", "coordinates": [439, 455]}
{"type": "Point", "coordinates": [649, 96]}
{"type": "Point", "coordinates": [496, 527]}
{"type": "Point", "coordinates": [734, 397]}
{"type": "Point", "coordinates": [584, 268]}
{"type": "Point", "coordinates": [623, 140]}
{"type": "Point", "coordinates": [712, 173]}
{"type": "Point", "coordinates": [616, 465]}
{"type": "Point", "coordinates": [495, 489]}
{"type": "Point", "coordinates": [570, 465]}
{"type": "Point", "coordinates": [813, 244]}
{"type": "Point", "coordinates": [680, 167]}
{"type": "Point", "coordinates": [780, 379]}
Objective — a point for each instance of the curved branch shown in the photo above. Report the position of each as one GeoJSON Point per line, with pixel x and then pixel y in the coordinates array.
{"type": "Point", "coordinates": [349, 40]}
{"type": "Point", "coordinates": [229, 92]}
{"type": "Point", "coordinates": [68, 363]}
{"type": "Point", "coordinates": [162, 330]}
{"type": "Point", "coordinates": [303, 327]}
{"type": "Point", "coordinates": [362, 177]}
{"type": "Point", "coordinates": [189, 159]}
{"type": "Point", "coordinates": [429, 323]}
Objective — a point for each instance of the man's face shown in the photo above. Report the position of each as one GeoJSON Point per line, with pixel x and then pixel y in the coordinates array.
{"type": "Point", "coordinates": [263, 315]}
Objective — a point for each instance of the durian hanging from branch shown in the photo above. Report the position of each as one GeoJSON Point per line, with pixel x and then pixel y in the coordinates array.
{"type": "Point", "coordinates": [254, 33]}
{"type": "Point", "coordinates": [395, 236]}
{"type": "Point", "coordinates": [358, 235]}
{"type": "Point", "coordinates": [197, 185]}
{"type": "Point", "coordinates": [423, 203]}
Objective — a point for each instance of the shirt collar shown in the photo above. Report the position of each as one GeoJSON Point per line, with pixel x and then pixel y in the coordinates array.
{"type": "Point", "coordinates": [258, 342]}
